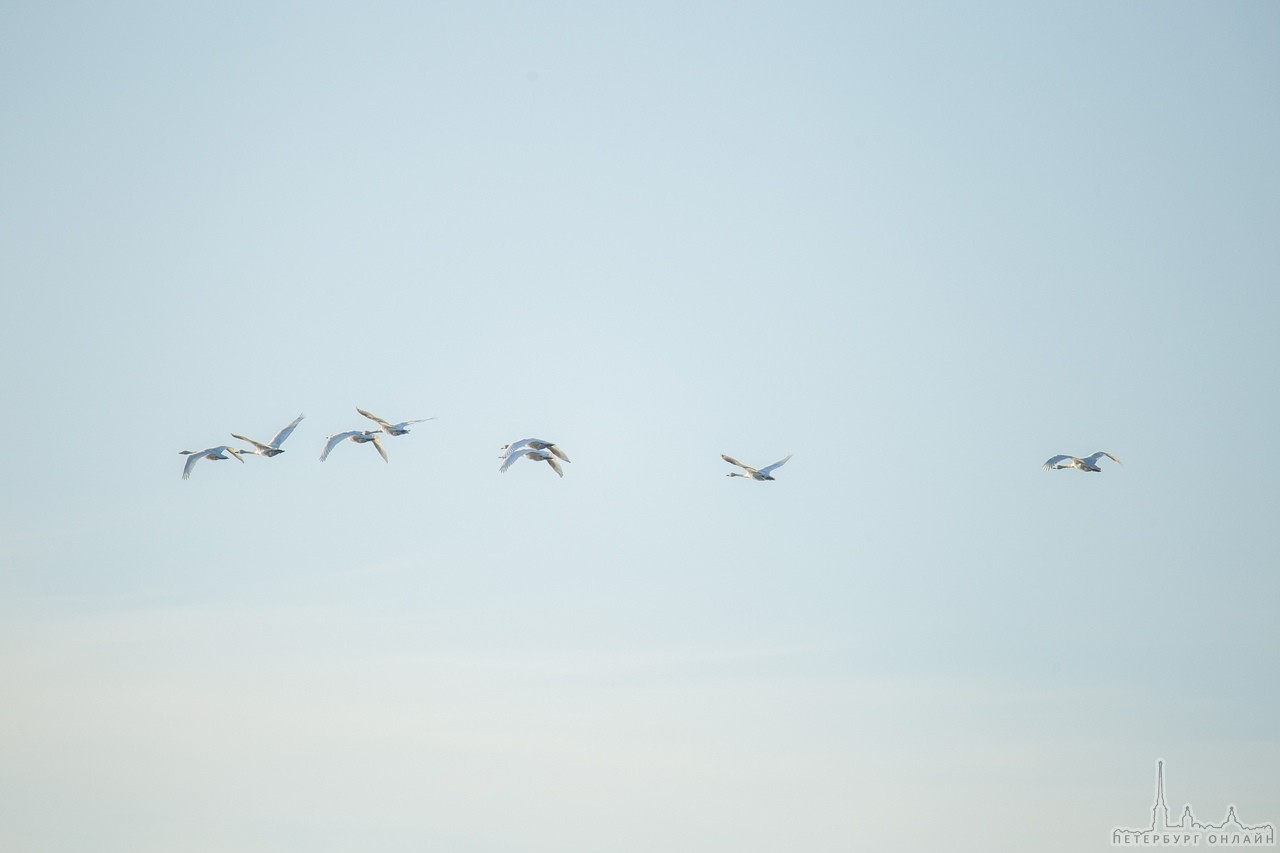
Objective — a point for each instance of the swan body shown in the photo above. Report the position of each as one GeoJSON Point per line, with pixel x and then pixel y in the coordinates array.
{"type": "Point", "coordinates": [273, 448]}
{"type": "Point", "coordinates": [754, 473]}
{"type": "Point", "coordinates": [390, 428]}
{"type": "Point", "coordinates": [1087, 463]}
{"type": "Point", "coordinates": [359, 436]}
{"type": "Point", "coordinates": [215, 453]}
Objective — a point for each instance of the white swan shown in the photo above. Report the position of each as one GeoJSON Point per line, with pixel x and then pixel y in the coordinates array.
{"type": "Point", "coordinates": [359, 436]}
{"type": "Point", "coordinates": [536, 454]}
{"type": "Point", "coordinates": [536, 443]}
{"type": "Point", "coordinates": [1088, 463]}
{"type": "Point", "coordinates": [194, 456]}
{"type": "Point", "coordinates": [754, 473]}
{"type": "Point", "coordinates": [272, 449]}
{"type": "Point", "coordinates": [390, 428]}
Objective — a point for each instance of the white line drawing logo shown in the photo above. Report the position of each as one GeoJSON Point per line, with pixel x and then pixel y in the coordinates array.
{"type": "Point", "coordinates": [1189, 832]}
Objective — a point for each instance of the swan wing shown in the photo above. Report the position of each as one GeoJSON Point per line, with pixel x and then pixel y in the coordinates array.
{"type": "Point", "coordinates": [1093, 458]}
{"type": "Point", "coordinates": [733, 461]}
{"type": "Point", "coordinates": [372, 417]}
{"type": "Point", "coordinates": [778, 464]}
{"type": "Point", "coordinates": [525, 453]}
{"type": "Point", "coordinates": [334, 440]}
{"type": "Point", "coordinates": [284, 433]}
{"type": "Point", "coordinates": [257, 444]}
{"type": "Point", "coordinates": [1052, 462]}
{"type": "Point", "coordinates": [511, 451]}
{"type": "Point", "coordinates": [382, 451]}
{"type": "Point", "coordinates": [510, 458]}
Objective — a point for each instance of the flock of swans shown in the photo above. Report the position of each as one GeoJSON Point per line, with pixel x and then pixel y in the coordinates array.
{"type": "Point", "coordinates": [534, 449]}
{"type": "Point", "coordinates": [273, 448]}
{"type": "Point", "coordinates": [537, 449]}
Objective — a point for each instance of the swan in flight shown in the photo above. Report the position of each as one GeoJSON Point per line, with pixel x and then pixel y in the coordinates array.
{"type": "Point", "coordinates": [359, 436]}
{"type": "Point", "coordinates": [390, 428]}
{"type": "Point", "coordinates": [194, 456]}
{"type": "Point", "coordinates": [754, 473]}
{"type": "Point", "coordinates": [536, 454]}
{"type": "Point", "coordinates": [1088, 463]}
{"type": "Point", "coordinates": [536, 443]}
{"type": "Point", "coordinates": [272, 449]}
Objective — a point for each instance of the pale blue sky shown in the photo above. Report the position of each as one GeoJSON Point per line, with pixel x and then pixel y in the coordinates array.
{"type": "Point", "coordinates": [923, 247]}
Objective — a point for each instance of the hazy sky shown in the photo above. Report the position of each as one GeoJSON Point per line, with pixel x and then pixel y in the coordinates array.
{"type": "Point", "coordinates": [923, 247]}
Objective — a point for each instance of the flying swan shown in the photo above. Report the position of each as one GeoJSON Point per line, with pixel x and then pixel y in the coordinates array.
{"type": "Point", "coordinates": [1088, 463]}
{"type": "Point", "coordinates": [215, 453]}
{"type": "Point", "coordinates": [390, 428]}
{"type": "Point", "coordinates": [536, 443]}
{"type": "Point", "coordinates": [536, 454]}
{"type": "Point", "coordinates": [754, 473]}
{"type": "Point", "coordinates": [272, 449]}
{"type": "Point", "coordinates": [359, 436]}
